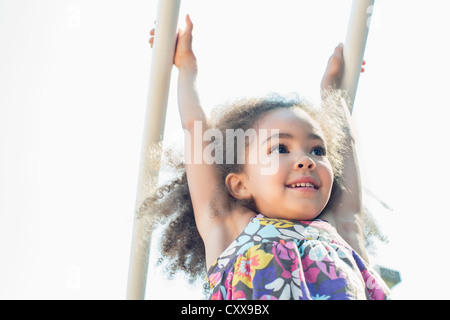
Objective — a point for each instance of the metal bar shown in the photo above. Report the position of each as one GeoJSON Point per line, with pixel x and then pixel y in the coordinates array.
{"type": "Point", "coordinates": [158, 92]}
{"type": "Point", "coordinates": [355, 44]}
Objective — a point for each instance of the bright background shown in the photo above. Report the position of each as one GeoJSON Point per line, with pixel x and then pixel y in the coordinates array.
{"type": "Point", "coordinates": [73, 86]}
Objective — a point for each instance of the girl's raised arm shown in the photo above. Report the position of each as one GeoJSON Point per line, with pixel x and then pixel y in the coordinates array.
{"type": "Point", "coordinates": [202, 177]}
{"type": "Point", "coordinates": [346, 211]}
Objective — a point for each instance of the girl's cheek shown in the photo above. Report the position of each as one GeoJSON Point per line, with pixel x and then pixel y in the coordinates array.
{"type": "Point", "coordinates": [327, 172]}
{"type": "Point", "coordinates": [328, 166]}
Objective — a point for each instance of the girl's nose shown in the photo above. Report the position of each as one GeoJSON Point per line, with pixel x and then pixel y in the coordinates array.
{"type": "Point", "coordinates": [305, 163]}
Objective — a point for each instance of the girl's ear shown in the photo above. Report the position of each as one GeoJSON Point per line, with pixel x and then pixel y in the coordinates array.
{"type": "Point", "coordinates": [235, 183]}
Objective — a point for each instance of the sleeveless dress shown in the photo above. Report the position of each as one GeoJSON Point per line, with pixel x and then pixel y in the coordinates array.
{"type": "Point", "coordinates": [292, 260]}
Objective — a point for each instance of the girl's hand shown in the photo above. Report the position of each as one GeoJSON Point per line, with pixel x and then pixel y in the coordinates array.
{"type": "Point", "coordinates": [333, 74]}
{"type": "Point", "coordinates": [184, 56]}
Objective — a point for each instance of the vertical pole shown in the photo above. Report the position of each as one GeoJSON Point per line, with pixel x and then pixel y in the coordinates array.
{"type": "Point", "coordinates": [355, 44]}
{"type": "Point", "coordinates": [158, 92]}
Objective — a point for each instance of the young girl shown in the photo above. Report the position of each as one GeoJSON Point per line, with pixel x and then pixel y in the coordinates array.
{"type": "Point", "coordinates": [257, 231]}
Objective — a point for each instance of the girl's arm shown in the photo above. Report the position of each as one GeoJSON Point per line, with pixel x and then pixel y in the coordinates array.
{"type": "Point", "coordinates": [346, 211]}
{"type": "Point", "coordinates": [202, 177]}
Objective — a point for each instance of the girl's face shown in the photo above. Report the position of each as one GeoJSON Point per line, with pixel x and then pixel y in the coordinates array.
{"type": "Point", "coordinates": [301, 186]}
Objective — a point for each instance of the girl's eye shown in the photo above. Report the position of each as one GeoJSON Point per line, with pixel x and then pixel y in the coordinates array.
{"type": "Point", "coordinates": [279, 149]}
{"type": "Point", "coordinates": [318, 151]}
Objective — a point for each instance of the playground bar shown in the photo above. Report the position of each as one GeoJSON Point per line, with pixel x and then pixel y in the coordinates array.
{"type": "Point", "coordinates": [355, 44]}
{"type": "Point", "coordinates": [158, 92]}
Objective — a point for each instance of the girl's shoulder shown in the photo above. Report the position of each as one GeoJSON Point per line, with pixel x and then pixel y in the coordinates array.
{"type": "Point", "coordinates": [223, 231]}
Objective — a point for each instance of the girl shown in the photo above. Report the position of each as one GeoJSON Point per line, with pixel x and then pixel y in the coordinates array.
{"type": "Point", "coordinates": [256, 230]}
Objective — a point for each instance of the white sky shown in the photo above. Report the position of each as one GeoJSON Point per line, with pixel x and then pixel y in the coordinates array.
{"type": "Point", "coordinates": [73, 85]}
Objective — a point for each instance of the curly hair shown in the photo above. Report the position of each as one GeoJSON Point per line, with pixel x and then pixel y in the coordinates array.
{"type": "Point", "coordinates": [170, 205]}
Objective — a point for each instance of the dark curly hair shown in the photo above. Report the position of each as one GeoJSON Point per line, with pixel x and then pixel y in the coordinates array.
{"type": "Point", "coordinates": [170, 205]}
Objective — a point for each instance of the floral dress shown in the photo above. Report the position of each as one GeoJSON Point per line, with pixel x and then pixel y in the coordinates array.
{"type": "Point", "coordinates": [287, 259]}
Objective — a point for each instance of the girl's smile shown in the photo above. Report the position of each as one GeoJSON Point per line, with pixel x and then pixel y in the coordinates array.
{"type": "Point", "coordinates": [304, 183]}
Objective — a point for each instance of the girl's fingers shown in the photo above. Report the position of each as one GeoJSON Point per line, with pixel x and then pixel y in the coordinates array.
{"type": "Point", "coordinates": [189, 25]}
{"type": "Point", "coordinates": [339, 49]}
{"type": "Point", "coordinates": [362, 68]}
{"type": "Point", "coordinates": [152, 37]}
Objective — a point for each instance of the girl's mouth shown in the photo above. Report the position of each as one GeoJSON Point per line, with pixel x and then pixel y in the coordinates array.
{"type": "Point", "coordinates": [303, 185]}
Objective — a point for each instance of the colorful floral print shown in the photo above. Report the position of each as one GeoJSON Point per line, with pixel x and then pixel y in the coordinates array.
{"type": "Point", "coordinates": [284, 259]}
